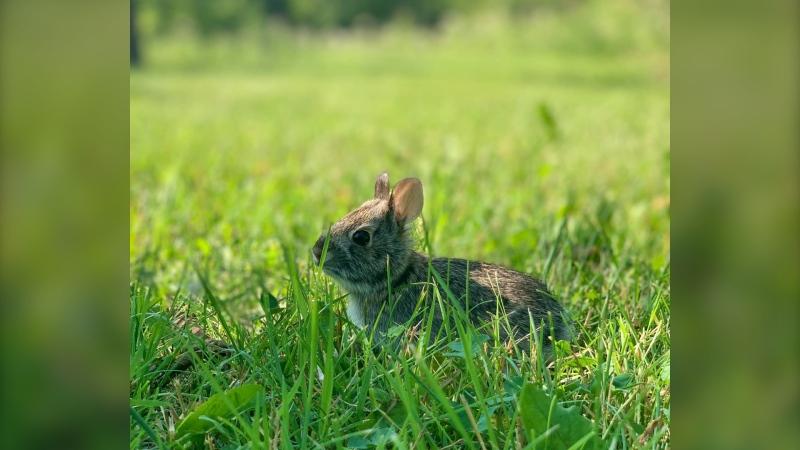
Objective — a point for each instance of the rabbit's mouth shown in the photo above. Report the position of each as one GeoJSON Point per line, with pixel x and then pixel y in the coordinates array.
{"type": "Point", "coordinates": [329, 268]}
{"type": "Point", "coordinates": [316, 257]}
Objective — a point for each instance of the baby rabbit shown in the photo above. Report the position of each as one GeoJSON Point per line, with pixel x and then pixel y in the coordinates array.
{"type": "Point", "coordinates": [371, 246]}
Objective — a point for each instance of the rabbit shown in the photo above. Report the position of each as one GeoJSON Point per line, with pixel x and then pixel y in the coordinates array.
{"type": "Point", "coordinates": [372, 245]}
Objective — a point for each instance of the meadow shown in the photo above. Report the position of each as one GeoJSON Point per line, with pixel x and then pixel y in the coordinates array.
{"type": "Point", "coordinates": [543, 145]}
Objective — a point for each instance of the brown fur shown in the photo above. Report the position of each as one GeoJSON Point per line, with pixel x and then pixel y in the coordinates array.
{"type": "Point", "coordinates": [482, 290]}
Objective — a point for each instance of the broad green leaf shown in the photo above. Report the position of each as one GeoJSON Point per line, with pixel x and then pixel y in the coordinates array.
{"type": "Point", "coordinates": [459, 351]}
{"type": "Point", "coordinates": [548, 120]}
{"type": "Point", "coordinates": [223, 405]}
{"type": "Point", "coordinates": [513, 384]}
{"type": "Point", "coordinates": [269, 302]}
{"type": "Point", "coordinates": [665, 369]}
{"type": "Point", "coordinates": [382, 436]}
{"type": "Point", "coordinates": [358, 442]}
{"type": "Point", "coordinates": [624, 381]}
{"type": "Point", "coordinates": [396, 331]}
{"type": "Point", "coordinates": [147, 403]}
{"type": "Point", "coordinates": [372, 437]}
{"type": "Point", "coordinates": [541, 412]}
{"type": "Point", "coordinates": [483, 420]}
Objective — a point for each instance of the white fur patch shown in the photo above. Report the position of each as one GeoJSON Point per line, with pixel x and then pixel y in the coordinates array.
{"type": "Point", "coordinates": [354, 312]}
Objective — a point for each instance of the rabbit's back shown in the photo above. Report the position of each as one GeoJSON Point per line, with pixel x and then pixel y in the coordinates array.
{"type": "Point", "coordinates": [485, 290]}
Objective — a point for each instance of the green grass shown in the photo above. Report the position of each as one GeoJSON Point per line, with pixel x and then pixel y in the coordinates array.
{"type": "Point", "coordinates": [541, 149]}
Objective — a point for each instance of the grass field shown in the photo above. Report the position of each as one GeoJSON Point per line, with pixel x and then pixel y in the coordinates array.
{"type": "Point", "coordinates": [543, 145]}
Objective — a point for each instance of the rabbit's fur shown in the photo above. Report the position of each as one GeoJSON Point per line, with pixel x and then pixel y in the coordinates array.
{"type": "Point", "coordinates": [363, 269]}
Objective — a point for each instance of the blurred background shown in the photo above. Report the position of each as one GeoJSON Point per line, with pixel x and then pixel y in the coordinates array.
{"type": "Point", "coordinates": [208, 108]}
{"type": "Point", "coordinates": [607, 26]}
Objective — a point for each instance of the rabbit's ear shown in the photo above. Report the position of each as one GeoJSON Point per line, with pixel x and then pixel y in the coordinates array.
{"type": "Point", "coordinates": [407, 200]}
{"type": "Point", "coordinates": [382, 187]}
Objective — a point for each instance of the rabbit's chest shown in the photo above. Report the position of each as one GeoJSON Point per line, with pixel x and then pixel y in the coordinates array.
{"type": "Point", "coordinates": [363, 311]}
{"type": "Point", "coordinates": [355, 312]}
{"type": "Point", "coordinates": [368, 310]}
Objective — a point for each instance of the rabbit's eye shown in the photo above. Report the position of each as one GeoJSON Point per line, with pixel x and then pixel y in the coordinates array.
{"type": "Point", "coordinates": [361, 237]}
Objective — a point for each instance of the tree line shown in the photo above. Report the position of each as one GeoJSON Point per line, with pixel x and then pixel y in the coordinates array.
{"type": "Point", "coordinates": [212, 17]}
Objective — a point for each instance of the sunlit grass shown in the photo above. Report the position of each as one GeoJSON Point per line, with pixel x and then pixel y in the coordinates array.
{"type": "Point", "coordinates": [550, 161]}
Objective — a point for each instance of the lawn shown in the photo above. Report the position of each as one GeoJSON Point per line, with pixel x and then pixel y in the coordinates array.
{"type": "Point", "coordinates": [543, 145]}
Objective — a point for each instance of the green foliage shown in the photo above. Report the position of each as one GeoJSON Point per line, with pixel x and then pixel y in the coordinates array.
{"type": "Point", "coordinates": [549, 120]}
{"type": "Point", "coordinates": [459, 350]}
{"type": "Point", "coordinates": [211, 17]}
{"type": "Point", "coordinates": [223, 405]}
{"type": "Point", "coordinates": [552, 425]}
{"type": "Point", "coordinates": [214, 17]}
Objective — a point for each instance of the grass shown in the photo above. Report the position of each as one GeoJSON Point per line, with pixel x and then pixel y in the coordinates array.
{"type": "Point", "coordinates": [539, 150]}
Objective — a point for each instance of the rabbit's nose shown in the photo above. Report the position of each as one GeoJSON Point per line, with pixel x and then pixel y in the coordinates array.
{"type": "Point", "coordinates": [317, 249]}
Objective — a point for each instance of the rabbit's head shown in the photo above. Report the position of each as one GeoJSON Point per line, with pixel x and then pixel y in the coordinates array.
{"type": "Point", "coordinates": [372, 238]}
